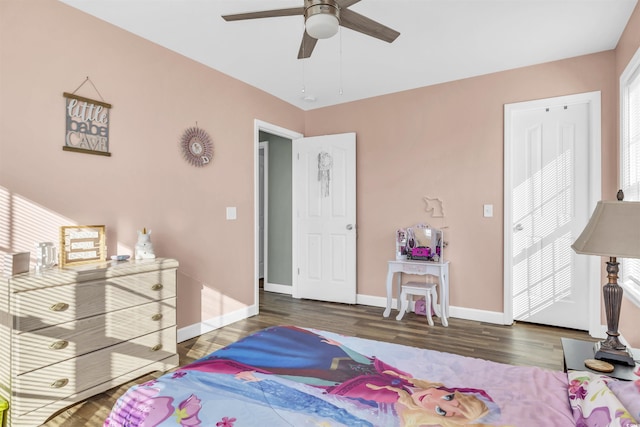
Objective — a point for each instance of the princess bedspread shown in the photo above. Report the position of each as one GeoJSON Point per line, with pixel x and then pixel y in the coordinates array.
{"type": "Point", "coordinates": [289, 376]}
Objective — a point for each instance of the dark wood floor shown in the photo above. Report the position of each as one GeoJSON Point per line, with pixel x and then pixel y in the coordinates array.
{"type": "Point", "coordinates": [520, 344]}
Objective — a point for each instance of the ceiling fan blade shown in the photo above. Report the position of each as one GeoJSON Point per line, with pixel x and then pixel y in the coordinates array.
{"type": "Point", "coordinates": [265, 14]}
{"type": "Point", "coordinates": [362, 24]}
{"type": "Point", "coordinates": [343, 4]}
{"type": "Point", "coordinates": [307, 45]}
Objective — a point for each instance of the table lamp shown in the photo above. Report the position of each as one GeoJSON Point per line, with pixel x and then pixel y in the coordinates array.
{"type": "Point", "coordinates": [613, 231]}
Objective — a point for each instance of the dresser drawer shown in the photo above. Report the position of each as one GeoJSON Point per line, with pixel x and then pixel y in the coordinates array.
{"type": "Point", "coordinates": [57, 343]}
{"type": "Point", "coordinates": [415, 268]}
{"type": "Point", "coordinates": [60, 304]}
{"type": "Point", "coordinates": [42, 386]}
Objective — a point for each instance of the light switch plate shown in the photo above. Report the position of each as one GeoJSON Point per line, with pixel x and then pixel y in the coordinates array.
{"type": "Point", "coordinates": [231, 212]}
{"type": "Point", "coordinates": [488, 211]}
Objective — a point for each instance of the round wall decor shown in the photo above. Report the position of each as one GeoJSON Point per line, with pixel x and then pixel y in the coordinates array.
{"type": "Point", "coordinates": [196, 146]}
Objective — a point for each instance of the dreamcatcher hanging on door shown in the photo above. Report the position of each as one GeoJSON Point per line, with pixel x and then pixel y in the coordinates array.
{"type": "Point", "coordinates": [325, 163]}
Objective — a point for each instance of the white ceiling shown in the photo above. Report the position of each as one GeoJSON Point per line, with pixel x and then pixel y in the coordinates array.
{"type": "Point", "coordinates": [440, 41]}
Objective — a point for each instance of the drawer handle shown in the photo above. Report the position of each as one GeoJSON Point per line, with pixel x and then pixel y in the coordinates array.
{"type": "Point", "coordinates": [59, 345]}
{"type": "Point", "coordinates": [157, 316]}
{"type": "Point", "coordinates": [59, 306]}
{"type": "Point", "coordinates": [60, 383]}
{"type": "Point", "coordinates": [156, 347]}
{"type": "Point", "coordinates": [157, 287]}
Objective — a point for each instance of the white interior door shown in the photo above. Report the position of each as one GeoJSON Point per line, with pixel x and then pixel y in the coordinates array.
{"type": "Point", "coordinates": [550, 202]}
{"type": "Point", "coordinates": [324, 215]}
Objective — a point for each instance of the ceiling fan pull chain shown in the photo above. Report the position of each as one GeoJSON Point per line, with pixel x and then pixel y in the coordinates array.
{"type": "Point", "coordinates": [304, 89]}
{"type": "Point", "coordinates": [340, 60]}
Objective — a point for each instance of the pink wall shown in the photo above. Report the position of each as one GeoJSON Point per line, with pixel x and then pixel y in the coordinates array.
{"type": "Point", "coordinates": [49, 48]}
{"type": "Point", "coordinates": [445, 140]}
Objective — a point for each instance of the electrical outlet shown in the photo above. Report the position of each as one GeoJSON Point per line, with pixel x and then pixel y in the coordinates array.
{"type": "Point", "coordinates": [488, 211]}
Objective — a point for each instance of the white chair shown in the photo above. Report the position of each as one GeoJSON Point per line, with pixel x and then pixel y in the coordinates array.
{"type": "Point", "coordinates": [426, 290]}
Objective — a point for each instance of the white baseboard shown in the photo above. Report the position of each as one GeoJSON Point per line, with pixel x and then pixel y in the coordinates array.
{"type": "Point", "coordinates": [457, 312]}
{"type": "Point", "coordinates": [198, 329]}
{"type": "Point", "coordinates": [277, 288]}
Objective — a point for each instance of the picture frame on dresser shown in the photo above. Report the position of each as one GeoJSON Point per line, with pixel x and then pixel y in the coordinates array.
{"type": "Point", "coordinates": [82, 244]}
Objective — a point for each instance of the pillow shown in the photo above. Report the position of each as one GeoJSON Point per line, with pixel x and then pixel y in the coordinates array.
{"type": "Point", "coordinates": [595, 404]}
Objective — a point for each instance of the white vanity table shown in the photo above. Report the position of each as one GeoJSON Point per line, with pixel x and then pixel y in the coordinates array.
{"type": "Point", "coordinates": [439, 269]}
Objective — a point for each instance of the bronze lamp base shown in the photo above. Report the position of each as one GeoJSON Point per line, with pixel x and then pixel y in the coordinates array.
{"type": "Point", "coordinates": [611, 348]}
{"type": "Point", "coordinates": [612, 354]}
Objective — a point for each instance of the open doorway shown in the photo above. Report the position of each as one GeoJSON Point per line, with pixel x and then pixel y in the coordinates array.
{"type": "Point", "coordinates": [272, 202]}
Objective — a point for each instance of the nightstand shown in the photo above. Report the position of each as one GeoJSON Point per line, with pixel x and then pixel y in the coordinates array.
{"type": "Point", "coordinates": [577, 351]}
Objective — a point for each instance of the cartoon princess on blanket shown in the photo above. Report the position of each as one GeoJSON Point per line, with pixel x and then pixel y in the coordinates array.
{"type": "Point", "coordinates": [308, 358]}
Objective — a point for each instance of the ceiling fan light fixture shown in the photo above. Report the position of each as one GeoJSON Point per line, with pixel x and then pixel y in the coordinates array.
{"type": "Point", "coordinates": [321, 19]}
{"type": "Point", "coordinates": [322, 26]}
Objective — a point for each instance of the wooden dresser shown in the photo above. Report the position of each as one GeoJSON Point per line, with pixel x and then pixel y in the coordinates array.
{"type": "Point", "coordinates": [67, 334]}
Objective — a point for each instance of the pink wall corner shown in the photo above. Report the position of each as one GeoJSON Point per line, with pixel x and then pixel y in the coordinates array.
{"type": "Point", "coordinates": [49, 48]}
{"type": "Point", "coordinates": [629, 42]}
{"type": "Point", "coordinates": [446, 141]}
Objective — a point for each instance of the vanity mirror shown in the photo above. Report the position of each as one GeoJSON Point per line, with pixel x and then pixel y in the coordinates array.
{"type": "Point", "coordinates": [424, 243]}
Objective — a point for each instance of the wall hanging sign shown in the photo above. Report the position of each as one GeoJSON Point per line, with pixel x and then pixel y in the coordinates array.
{"type": "Point", "coordinates": [87, 124]}
{"type": "Point", "coordinates": [196, 146]}
{"type": "Point", "coordinates": [81, 244]}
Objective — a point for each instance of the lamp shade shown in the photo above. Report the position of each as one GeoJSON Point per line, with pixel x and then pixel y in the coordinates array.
{"type": "Point", "coordinates": [612, 231]}
{"type": "Point", "coordinates": [322, 25]}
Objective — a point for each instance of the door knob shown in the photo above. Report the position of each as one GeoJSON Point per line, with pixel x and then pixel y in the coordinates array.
{"type": "Point", "coordinates": [349, 226]}
{"type": "Point", "coordinates": [518, 227]}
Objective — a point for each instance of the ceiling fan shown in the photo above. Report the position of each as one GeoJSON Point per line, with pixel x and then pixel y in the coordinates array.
{"type": "Point", "coordinates": [321, 20]}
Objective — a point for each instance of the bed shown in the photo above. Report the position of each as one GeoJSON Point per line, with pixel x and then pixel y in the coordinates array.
{"type": "Point", "coordinates": [291, 376]}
